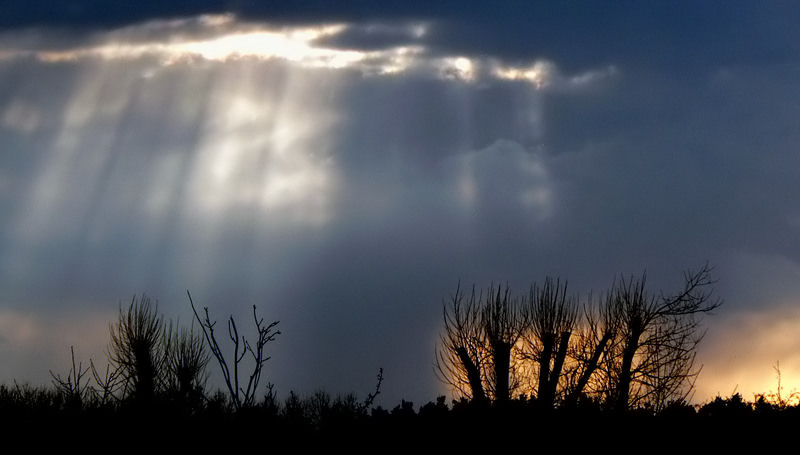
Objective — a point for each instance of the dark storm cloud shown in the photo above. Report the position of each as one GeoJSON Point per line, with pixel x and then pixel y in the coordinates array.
{"type": "Point", "coordinates": [707, 161]}
{"type": "Point", "coordinates": [428, 119]}
{"type": "Point", "coordinates": [683, 35]}
{"type": "Point", "coordinates": [97, 13]}
{"type": "Point", "coordinates": [377, 36]}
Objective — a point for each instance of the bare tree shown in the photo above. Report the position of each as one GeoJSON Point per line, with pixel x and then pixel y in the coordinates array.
{"type": "Point", "coordinates": [632, 348]}
{"type": "Point", "coordinates": [241, 396]}
{"type": "Point", "coordinates": [186, 361]}
{"type": "Point", "coordinates": [475, 355]}
{"type": "Point", "coordinates": [461, 355]}
{"type": "Point", "coordinates": [551, 316]}
{"type": "Point", "coordinates": [139, 349]}
{"type": "Point", "coordinates": [108, 383]}
{"type": "Point", "coordinates": [503, 325]}
{"type": "Point", "coordinates": [596, 337]}
{"type": "Point", "coordinates": [73, 386]}
{"type": "Point", "coordinates": [658, 335]}
{"type": "Point", "coordinates": [371, 396]}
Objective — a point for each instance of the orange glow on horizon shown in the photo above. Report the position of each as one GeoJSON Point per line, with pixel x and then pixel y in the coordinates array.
{"type": "Point", "coordinates": [744, 352]}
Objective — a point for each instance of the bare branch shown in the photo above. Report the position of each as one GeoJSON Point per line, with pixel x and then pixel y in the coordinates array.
{"type": "Point", "coordinates": [240, 396]}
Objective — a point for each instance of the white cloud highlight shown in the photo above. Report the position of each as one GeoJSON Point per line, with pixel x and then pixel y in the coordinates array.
{"type": "Point", "coordinates": [223, 38]}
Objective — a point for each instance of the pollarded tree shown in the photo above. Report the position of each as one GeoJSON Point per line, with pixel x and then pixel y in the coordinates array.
{"type": "Point", "coordinates": [551, 315]}
{"type": "Point", "coordinates": [653, 361]}
{"type": "Point", "coordinates": [595, 340]}
{"type": "Point", "coordinates": [461, 355]}
{"type": "Point", "coordinates": [503, 325]}
{"type": "Point", "coordinates": [634, 348]}
{"type": "Point", "coordinates": [476, 355]}
{"type": "Point", "coordinates": [149, 357]}
{"type": "Point", "coordinates": [186, 363]}
{"type": "Point", "coordinates": [139, 350]}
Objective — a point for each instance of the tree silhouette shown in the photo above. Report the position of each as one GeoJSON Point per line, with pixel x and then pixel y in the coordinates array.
{"type": "Point", "coordinates": [633, 348]}
{"type": "Point", "coordinates": [186, 361]}
{"type": "Point", "coordinates": [551, 316]}
{"type": "Point", "coordinates": [139, 350]}
{"type": "Point", "coordinates": [480, 333]}
{"type": "Point", "coordinates": [596, 336]}
{"type": "Point", "coordinates": [653, 362]}
{"type": "Point", "coordinates": [461, 355]}
{"type": "Point", "coordinates": [241, 397]}
{"type": "Point", "coordinates": [148, 358]}
{"type": "Point", "coordinates": [503, 325]}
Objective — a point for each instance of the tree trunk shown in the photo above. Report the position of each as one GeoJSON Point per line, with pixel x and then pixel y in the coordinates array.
{"type": "Point", "coordinates": [501, 354]}
{"type": "Point", "coordinates": [473, 375]}
{"type": "Point", "coordinates": [558, 365]}
{"type": "Point", "coordinates": [626, 373]}
{"type": "Point", "coordinates": [544, 370]}
{"type": "Point", "coordinates": [590, 367]}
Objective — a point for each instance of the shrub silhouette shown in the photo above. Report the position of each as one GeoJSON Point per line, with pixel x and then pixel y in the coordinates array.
{"type": "Point", "coordinates": [73, 387]}
{"type": "Point", "coordinates": [732, 407]}
{"type": "Point", "coordinates": [151, 359]}
{"type": "Point", "coordinates": [187, 357]}
{"type": "Point", "coordinates": [139, 350]}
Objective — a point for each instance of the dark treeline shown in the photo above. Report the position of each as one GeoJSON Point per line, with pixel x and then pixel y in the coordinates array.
{"type": "Point", "coordinates": [320, 420]}
{"type": "Point", "coordinates": [544, 363]}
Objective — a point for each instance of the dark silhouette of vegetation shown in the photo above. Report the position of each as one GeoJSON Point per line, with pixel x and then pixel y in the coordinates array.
{"type": "Point", "coordinates": [462, 354]}
{"type": "Point", "coordinates": [477, 344]}
{"type": "Point", "coordinates": [342, 420]}
{"type": "Point", "coordinates": [500, 319]}
{"type": "Point", "coordinates": [186, 363]}
{"type": "Point", "coordinates": [551, 315]}
{"type": "Point", "coordinates": [73, 387]}
{"type": "Point", "coordinates": [543, 362]}
{"type": "Point", "coordinates": [654, 360]}
{"type": "Point", "coordinates": [150, 363]}
{"type": "Point", "coordinates": [635, 349]}
{"type": "Point", "coordinates": [594, 340]}
{"type": "Point", "coordinates": [107, 383]}
{"type": "Point", "coordinates": [139, 350]}
{"type": "Point", "coordinates": [241, 397]}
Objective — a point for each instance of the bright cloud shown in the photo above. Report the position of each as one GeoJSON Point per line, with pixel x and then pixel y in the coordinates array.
{"type": "Point", "coordinates": [223, 38]}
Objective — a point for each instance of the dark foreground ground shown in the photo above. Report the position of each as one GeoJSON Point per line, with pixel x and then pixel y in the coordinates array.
{"type": "Point", "coordinates": [322, 424]}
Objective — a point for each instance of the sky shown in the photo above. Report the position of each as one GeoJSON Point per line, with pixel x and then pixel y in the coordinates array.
{"type": "Point", "coordinates": [343, 167]}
